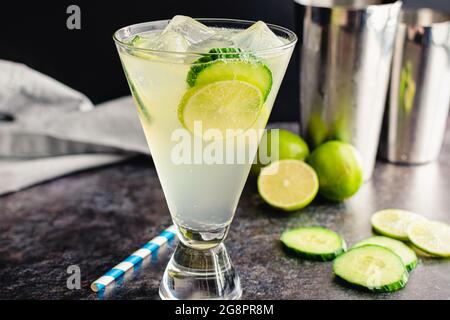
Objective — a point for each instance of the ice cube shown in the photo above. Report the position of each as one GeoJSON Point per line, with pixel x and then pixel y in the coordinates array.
{"type": "Point", "coordinates": [171, 41]}
{"type": "Point", "coordinates": [192, 30]}
{"type": "Point", "coordinates": [213, 42]}
{"type": "Point", "coordinates": [145, 40]}
{"type": "Point", "coordinates": [256, 37]}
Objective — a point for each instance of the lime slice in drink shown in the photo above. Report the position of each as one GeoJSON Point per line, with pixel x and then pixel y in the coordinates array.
{"type": "Point", "coordinates": [288, 184]}
{"type": "Point", "coordinates": [393, 223]}
{"type": "Point", "coordinates": [221, 105]}
{"type": "Point", "coordinates": [430, 236]}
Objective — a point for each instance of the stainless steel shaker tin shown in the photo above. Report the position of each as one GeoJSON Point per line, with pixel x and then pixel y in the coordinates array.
{"type": "Point", "coordinates": [345, 54]}
{"type": "Point", "coordinates": [419, 98]}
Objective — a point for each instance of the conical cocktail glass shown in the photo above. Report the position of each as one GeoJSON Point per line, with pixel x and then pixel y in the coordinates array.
{"type": "Point", "coordinates": [203, 112]}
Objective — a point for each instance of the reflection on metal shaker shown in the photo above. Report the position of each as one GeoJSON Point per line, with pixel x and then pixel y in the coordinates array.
{"type": "Point", "coordinates": [419, 99]}
{"type": "Point", "coordinates": [345, 54]}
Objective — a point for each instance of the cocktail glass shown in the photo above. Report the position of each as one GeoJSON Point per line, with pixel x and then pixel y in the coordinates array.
{"type": "Point", "coordinates": [203, 130]}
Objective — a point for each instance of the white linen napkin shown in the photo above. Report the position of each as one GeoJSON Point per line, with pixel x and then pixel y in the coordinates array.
{"type": "Point", "coordinates": [48, 129]}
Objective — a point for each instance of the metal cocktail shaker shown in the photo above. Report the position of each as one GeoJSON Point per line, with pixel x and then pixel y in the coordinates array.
{"type": "Point", "coordinates": [419, 98]}
{"type": "Point", "coordinates": [345, 54]}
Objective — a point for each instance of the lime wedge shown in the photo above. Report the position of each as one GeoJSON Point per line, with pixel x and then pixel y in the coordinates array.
{"type": "Point", "coordinates": [394, 222]}
{"type": "Point", "coordinates": [221, 105]}
{"type": "Point", "coordinates": [288, 184]}
{"type": "Point", "coordinates": [430, 236]}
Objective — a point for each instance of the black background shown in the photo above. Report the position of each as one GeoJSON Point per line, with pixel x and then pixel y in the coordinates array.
{"type": "Point", "coordinates": [35, 33]}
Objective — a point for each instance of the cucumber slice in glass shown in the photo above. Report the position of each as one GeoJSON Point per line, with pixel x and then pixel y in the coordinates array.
{"type": "Point", "coordinates": [223, 64]}
{"type": "Point", "coordinates": [394, 223]}
{"type": "Point", "coordinates": [142, 42]}
{"type": "Point", "coordinates": [406, 254]}
{"type": "Point", "coordinates": [431, 236]}
{"type": "Point", "coordinates": [314, 243]}
{"type": "Point", "coordinates": [373, 267]}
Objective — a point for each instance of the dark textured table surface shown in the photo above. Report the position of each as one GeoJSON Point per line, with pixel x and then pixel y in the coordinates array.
{"type": "Point", "coordinates": [95, 219]}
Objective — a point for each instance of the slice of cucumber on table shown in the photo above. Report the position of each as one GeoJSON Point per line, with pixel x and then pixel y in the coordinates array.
{"type": "Point", "coordinates": [373, 267]}
{"type": "Point", "coordinates": [314, 243]}
{"type": "Point", "coordinates": [406, 254]}
{"type": "Point", "coordinates": [378, 263]}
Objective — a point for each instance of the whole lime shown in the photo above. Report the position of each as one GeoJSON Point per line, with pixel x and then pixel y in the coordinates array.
{"type": "Point", "coordinates": [339, 169]}
{"type": "Point", "coordinates": [317, 130]}
{"type": "Point", "coordinates": [287, 145]}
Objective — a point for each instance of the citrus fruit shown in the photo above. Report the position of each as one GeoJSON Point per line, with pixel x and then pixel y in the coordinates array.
{"type": "Point", "coordinates": [288, 184]}
{"type": "Point", "coordinates": [339, 169]}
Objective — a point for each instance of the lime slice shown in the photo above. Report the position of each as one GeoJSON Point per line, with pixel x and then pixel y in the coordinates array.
{"type": "Point", "coordinates": [221, 105]}
{"type": "Point", "coordinates": [288, 184]}
{"type": "Point", "coordinates": [394, 222]}
{"type": "Point", "coordinates": [420, 252]}
{"type": "Point", "coordinates": [430, 236]}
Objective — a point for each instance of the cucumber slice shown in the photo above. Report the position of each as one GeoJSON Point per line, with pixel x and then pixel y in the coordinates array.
{"type": "Point", "coordinates": [230, 64]}
{"type": "Point", "coordinates": [394, 223]}
{"type": "Point", "coordinates": [205, 61]}
{"type": "Point", "coordinates": [373, 267]}
{"type": "Point", "coordinates": [136, 97]}
{"type": "Point", "coordinates": [406, 254]}
{"type": "Point", "coordinates": [141, 42]}
{"type": "Point", "coordinates": [314, 243]}
{"type": "Point", "coordinates": [431, 236]}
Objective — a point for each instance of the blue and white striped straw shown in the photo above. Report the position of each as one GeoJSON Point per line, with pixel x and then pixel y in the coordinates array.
{"type": "Point", "coordinates": [134, 260]}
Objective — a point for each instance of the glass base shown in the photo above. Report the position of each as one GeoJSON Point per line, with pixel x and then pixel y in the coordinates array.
{"type": "Point", "coordinates": [200, 274]}
{"type": "Point", "coordinates": [202, 240]}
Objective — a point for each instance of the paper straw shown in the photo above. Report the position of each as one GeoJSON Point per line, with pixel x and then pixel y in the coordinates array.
{"type": "Point", "coordinates": [135, 259]}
